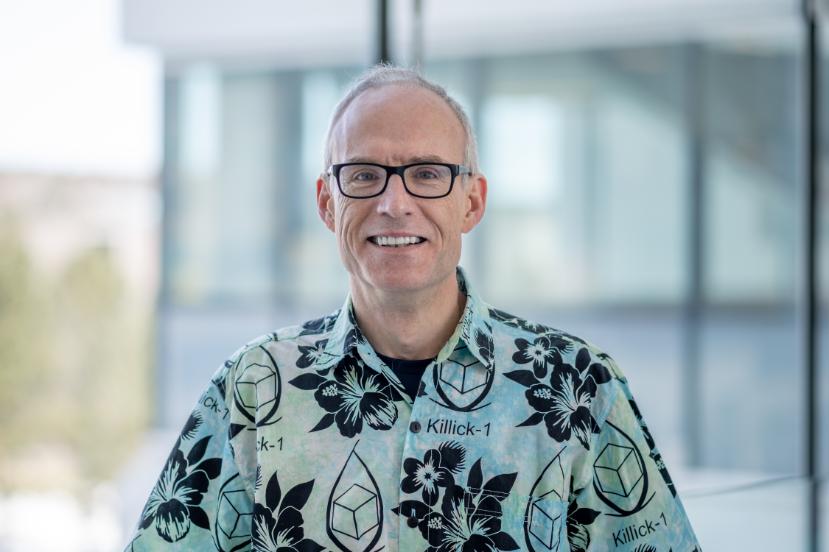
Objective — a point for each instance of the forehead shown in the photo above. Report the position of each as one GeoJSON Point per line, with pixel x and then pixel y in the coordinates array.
{"type": "Point", "coordinates": [395, 123]}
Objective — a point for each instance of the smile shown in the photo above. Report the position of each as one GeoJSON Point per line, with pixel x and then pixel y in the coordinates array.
{"type": "Point", "coordinates": [396, 241]}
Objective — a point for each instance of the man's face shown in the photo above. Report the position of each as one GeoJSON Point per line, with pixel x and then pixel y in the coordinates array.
{"type": "Point", "coordinates": [397, 125]}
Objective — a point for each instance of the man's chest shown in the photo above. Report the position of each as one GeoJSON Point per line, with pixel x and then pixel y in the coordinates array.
{"type": "Point", "coordinates": [351, 465]}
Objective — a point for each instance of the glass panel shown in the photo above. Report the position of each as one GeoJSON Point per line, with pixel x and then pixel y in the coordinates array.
{"type": "Point", "coordinates": [750, 338]}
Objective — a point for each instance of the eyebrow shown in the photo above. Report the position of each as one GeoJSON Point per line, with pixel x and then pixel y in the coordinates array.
{"type": "Point", "coordinates": [415, 159]}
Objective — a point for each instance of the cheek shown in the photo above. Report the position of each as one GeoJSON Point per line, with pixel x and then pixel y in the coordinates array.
{"type": "Point", "coordinates": [347, 220]}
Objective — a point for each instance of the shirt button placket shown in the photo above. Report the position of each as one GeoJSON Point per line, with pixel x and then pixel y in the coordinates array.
{"type": "Point", "coordinates": [417, 441]}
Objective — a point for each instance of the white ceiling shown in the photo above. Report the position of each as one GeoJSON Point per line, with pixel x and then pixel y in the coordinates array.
{"type": "Point", "coordinates": [337, 32]}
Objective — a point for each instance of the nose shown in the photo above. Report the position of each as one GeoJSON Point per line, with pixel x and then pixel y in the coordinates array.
{"type": "Point", "coordinates": [395, 201]}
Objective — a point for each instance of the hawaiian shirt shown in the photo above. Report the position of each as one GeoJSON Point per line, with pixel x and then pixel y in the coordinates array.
{"type": "Point", "coordinates": [521, 437]}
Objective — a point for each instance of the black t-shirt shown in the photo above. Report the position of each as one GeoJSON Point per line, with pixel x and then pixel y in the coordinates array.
{"type": "Point", "coordinates": [408, 371]}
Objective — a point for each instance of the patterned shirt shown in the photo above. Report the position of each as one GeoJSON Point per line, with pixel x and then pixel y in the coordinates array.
{"type": "Point", "coordinates": [521, 437]}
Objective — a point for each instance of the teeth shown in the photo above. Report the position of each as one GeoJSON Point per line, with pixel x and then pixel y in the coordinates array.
{"type": "Point", "coordinates": [389, 241]}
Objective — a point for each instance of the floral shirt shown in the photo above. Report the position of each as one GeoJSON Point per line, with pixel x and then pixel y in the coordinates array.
{"type": "Point", "coordinates": [521, 437]}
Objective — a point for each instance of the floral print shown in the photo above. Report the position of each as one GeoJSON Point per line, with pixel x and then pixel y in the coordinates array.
{"type": "Point", "coordinates": [319, 325]}
{"type": "Point", "coordinates": [435, 471]}
{"type": "Point", "coordinates": [543, 351]}
{"type": "Point", "coordinates": [469, 517]}
{"type": "Point", "coordinates": [277, 524]}
{"type": "Point", "coordinates": [517, 322]}
{"type": "Point", "coordinates": [563, 403]}
{"type": "Point", "coordinates": [354, 396]}
{"type": "Point", "coordinates": [486, 347]}
{"type": "Point", "coordinates": [174, 502]}
{"type": "Point", "coordinates": [309, 354]}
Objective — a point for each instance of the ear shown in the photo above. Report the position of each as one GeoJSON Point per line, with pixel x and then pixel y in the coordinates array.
{"type": "Point", "coordinates": [325, 203]}
{"type": "Point", "coordinates": [475, 202]}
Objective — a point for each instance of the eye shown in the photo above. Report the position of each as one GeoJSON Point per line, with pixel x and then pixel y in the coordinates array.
{"type": "Point", "coordinates": [426, 173]}
{"type": "Point", "coordinates": [364, 176]}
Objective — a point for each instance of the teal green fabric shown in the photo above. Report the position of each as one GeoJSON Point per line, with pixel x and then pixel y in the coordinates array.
{"type": "Point", "coordinates": [521, 437]}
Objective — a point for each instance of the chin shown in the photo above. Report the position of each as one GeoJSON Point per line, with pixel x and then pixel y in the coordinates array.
{"type": "Point", "coordinates": [405, 279]}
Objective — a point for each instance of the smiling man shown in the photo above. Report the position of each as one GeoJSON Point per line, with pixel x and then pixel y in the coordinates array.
{"type": "Point", "coordinates": [416, 417]}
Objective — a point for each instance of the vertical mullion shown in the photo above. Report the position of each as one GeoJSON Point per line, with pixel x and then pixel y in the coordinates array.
{"type": "Point", "coordinates": [382, 32]}
{"type": "Point", "coordinates": [811, 121]}
{"type": "Point", "coordinates": [695, 302]}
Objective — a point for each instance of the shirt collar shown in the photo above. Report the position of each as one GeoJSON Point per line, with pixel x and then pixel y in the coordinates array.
{"type": "Point", "coordinates": [473, 331]}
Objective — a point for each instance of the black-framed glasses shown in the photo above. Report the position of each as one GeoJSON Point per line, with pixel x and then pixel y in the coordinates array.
{"type": "Point", "coordinates": [427, 180]}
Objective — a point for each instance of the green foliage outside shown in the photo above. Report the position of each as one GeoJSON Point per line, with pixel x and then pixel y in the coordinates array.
{"type": "Point", "coordinates": [74, 368]}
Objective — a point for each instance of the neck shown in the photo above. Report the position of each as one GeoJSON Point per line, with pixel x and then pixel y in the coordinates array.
{"type": "Point", "coordinates": [412, 325]}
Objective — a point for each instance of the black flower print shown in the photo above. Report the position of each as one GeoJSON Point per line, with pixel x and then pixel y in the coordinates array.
{"type": "Point", "coordinates": [469, 518]}
{"type": "Point", "coordinates": [319, 325]}
{"type": "Point", "coordinates": [486, 347]}
{"type": "Point", "coordinates": [191, 427]}
{"type": "Point", "coordinates": [354, 336]}
{"type": "Point", "coordinates": [517, 322]}
{"type": "Point", "coordinates": [543, 351]}
{"type": "Point", "coordinates": [309, 354]}
{"type": "Point", "coordinates": [564, 404]}
{"type": "Point", "coordinates": [174, 502]}
{"type": "Point", "coordinates": [277, 525]}
{"type": "Point", "coordinates": [577, 519]}
{"type": "Point", "coordinates": [435, 471]}
{"type": "Point", "coordinates": [355, 395]}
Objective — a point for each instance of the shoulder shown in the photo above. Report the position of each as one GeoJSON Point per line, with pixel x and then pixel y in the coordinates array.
{"type": "Point", "coordinates": [542, 354]}
{"type": "Point", "coordinates": [527, 332]}
{"type": "Point", "coordinates": [277, 347]}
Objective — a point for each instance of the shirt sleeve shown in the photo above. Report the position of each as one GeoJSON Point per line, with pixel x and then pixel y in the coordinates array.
{"type": "Point", "coordinates": [201, 501]}
{"type": "Point", "coordinates": [623, 497]}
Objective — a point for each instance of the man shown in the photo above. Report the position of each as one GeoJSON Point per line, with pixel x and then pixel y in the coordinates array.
{"type": "Point", "coordinates": [417, 417]}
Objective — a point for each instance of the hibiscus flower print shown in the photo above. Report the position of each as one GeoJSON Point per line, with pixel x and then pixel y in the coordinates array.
{"type": "Point", "coordinates": [469, 517]}
{"type": "Point", "coordinates": [543, 351]}
{"type": "Point", "coordinates": [563, 402]}
{"type": "Point", "coordinates": [309, 354]}
{"type": "Point", "coordinates": [277, 524]}
{"type": "Point", "coordinates": [435, 471]}
{"type": "Point", "coordinates": [174, 503]}
{"type": "Point", "coordinates": [354, 396]}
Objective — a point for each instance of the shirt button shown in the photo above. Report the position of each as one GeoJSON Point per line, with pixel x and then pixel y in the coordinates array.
{"type": "Point", "coordinates": [414, 427]}
{"type": "Point", "coordinates": [411, 522]}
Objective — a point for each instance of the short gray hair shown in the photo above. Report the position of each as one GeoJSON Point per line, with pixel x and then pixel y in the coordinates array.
{"type": "Point", "coordinates": [387, 74]}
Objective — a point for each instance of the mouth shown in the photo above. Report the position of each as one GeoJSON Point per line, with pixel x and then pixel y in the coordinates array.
{"type": "Point", "coordinates": [396, 241]}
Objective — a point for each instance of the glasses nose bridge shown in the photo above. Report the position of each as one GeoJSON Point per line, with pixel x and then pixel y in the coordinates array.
{"type": "Point", "coordinates": [399, 171]}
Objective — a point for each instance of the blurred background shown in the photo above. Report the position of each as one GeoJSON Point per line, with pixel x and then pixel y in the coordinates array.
{"type": "Point", "coordinates": [658, 177]}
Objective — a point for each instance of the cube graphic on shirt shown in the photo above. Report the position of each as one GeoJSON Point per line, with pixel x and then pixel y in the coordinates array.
{"type": "Point", "coordinates": [464, 377]}
{"type": "Point", "coordinates": [257, 386]}
{"type": "Point", "coordinates": [618, 470]}
{"type": "Point", "coordinates": [234, 516]}
{"type": "Point", "coordinates": [355, 512]}
{"type": "Point", "coordinates": [545, 522]}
